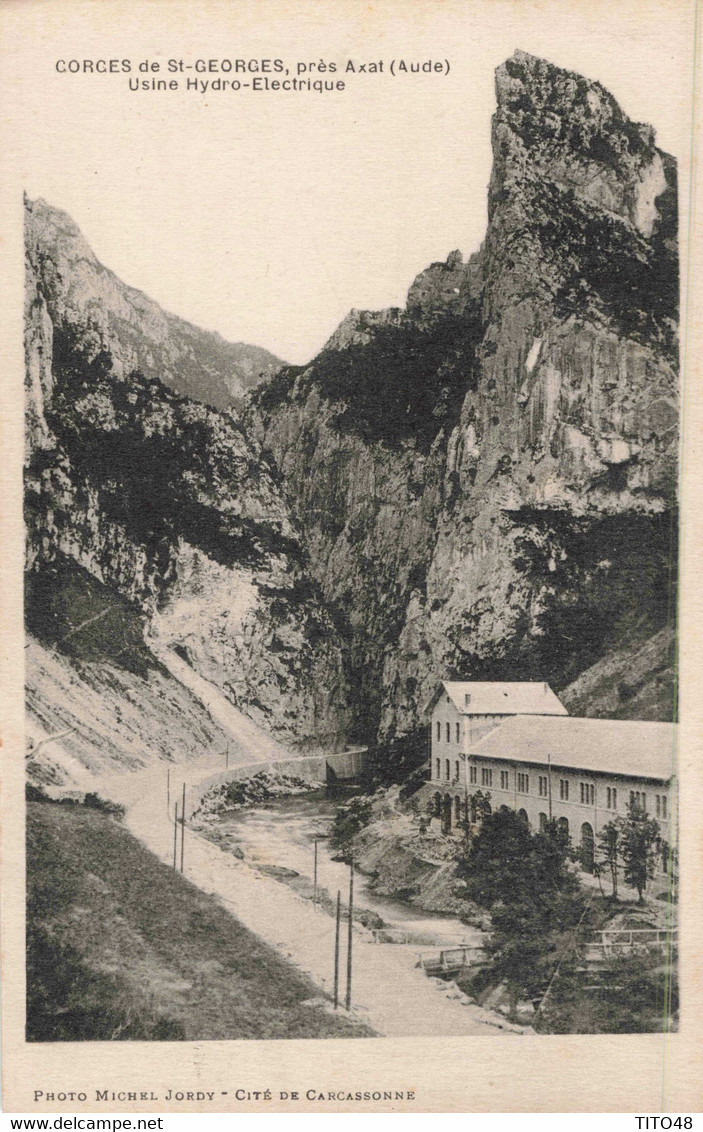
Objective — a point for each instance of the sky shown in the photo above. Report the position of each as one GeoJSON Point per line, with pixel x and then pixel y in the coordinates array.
{"type": "Point", "coordinates": [268, 217]}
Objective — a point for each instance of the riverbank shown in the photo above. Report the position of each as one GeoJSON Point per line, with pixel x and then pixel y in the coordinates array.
{"type": "Point", "coordinates": [122, 947]}
{"type": "Point", "coordinates": [406, 858]}
{"type": "Point", "coordinates": [277, 835]}
{"type": "Point", "coordinates": [390, 994]}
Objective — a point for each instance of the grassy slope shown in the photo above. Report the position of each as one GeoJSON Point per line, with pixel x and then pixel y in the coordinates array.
{"type": "Point", "coordinates": [122, 947]}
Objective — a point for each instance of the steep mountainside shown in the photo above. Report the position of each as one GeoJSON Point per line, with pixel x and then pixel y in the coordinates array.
{"type": "Point", "coordinates": [481, 484]}
{"type": "Point", "coordinates": [152, 524]}
{"type": "Point", "coordinates": [632, 683]}
{"type": "Point", "coordinates": [485, 481]}
{"type": "Point", "coordinates": [76, 291]}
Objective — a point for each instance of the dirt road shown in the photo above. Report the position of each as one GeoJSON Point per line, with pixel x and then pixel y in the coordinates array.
{"type": "Point", "coordinates": [389, 993]}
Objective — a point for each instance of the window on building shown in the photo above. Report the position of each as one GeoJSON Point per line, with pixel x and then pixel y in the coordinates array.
{"type": "Point", "coordinates": [447, 770]}
{"type": "Point", "coordinates": [664, 806]}
{"type": "Point", "coordinates": [449, 732]}
{"type": "Point", "coordinates": [473, 775]}
{"type": "Point", "coordinates": [456, 770]}
{"type": "Point", "coordinates": [543, 786]}
{"type": "Point", "coordinates": [458, 732]}
{"type": "Point", "coordinates": [486, 776]}
{"type": "Point", "coordinates": [661, 805]}
{"type": "Point", "coordinates": [523, 783]}
{"type": "Point", "coordinates": [564, 789]}
{"type": "Point", "coordinates": [504, 780]}
{"type": "Point", "coordinates": [437, 768]}
{"type": "Point", "coordinates": [439, 731]}
{"type": "Point", "coordinates": [639, 800]}
{"type": "Point", "coordinates": [542, 822]}
{"type": "Point", "coordinates": [611, 798]}
{"type": "Point", "coordinates": [588, 793]}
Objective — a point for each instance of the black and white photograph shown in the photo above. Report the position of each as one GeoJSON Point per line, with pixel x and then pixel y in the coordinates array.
{"type": "Point", "coordinates": [351, 489]}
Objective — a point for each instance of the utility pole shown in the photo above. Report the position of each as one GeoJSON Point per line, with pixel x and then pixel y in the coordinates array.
{"type": "Point", "coordinates": [549, 783]}
{"type": "Point", "coordinates": [183, 824]}
{"type": "Point", "coordinates": [168, 790]}
{"type": "Point", "coordinates": [350, 933]}
{"type": "Point", "coordinates": [336, 950]}
{"type": "Point", "coordinates": [314, 882]}
{"type": "Point", "coordinates": [175, 832]}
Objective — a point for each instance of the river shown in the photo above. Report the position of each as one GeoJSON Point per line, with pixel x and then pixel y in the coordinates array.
{"type": "Point", "coordinates": [282, 832]}
{"type": "Point", "coordinates": [389, 992]}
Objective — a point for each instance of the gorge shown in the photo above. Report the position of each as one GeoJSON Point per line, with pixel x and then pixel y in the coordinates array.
{"type": "Point", "coordinates": [479, 485]}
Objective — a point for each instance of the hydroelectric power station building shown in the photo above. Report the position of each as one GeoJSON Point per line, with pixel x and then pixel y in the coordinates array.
{"type": "Point", "coordinates": [517, 743]}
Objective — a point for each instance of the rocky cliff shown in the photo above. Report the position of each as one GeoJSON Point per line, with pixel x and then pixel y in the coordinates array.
{"type": "Point", "coordinates": [485, 480]}
{"type": "Point", "coordinates": [149, 509]}
{"type": "Point", "coordinates": [74, 290]}
{"type": "Point", "coordinates": [481, 484]}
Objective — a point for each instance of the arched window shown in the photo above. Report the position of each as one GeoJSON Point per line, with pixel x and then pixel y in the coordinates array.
{"type": "Point", "coordinates": [564, 825]}
{"type": "Point", "coordinates": [456, 769]}
{"type": "Point", "coordinates": [457, 809]}
{"type": "Point", "coordinates": [439, 773]}
{"type": "Point", "coordinates": [438, 805]}
{"type": "Point", "coordinates": [542, 822]}
{"type": "Point", "coordinates": [458, 732]}
{"type": "Point", "coordinates": [523, 814]}
{"type": "Point", "coordinates": [449, 732]}
{"type": "Point", "coordinates": [439, 731]}
{"type": "Point", "coordinates": [448, 771]}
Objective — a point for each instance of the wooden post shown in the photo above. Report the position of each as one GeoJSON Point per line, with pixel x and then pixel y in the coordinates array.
{"type": "Point", "coordinates": [183, 824]}
{"type": "Point", "coordinates": [336, 950]}
{"type": "Point", "coordinates": [314, 881]}
{"type": "Point", "coordinates": [175, 832]}
{"type": "Point", "coordinates": [350, 934]}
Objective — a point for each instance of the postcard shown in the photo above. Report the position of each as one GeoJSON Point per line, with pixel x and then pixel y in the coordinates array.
{"type": "Point", "coordinates": [350, 546]}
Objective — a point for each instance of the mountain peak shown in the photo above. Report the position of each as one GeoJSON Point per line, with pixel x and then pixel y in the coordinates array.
{"type": "Point", "coordinates": [77, 289]}
{"type": "Point", "coordinates": [557, 126]}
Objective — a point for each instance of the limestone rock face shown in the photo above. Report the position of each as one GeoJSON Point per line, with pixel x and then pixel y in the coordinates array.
{"type": "Point", "coordinates": [479, 485]}
{"type": "Point", "coordinates": [76, 290]}
{"type": "Point", "coordinates": [164, 504]}
{"type": "Point", "coordinates": [485, 481]}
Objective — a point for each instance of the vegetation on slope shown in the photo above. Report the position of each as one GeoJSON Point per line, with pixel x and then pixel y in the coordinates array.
{"type": "Point", "coordinates": [121, 947]}
{"type": "Point", "coordinates": [405, 381]}
{"type": "Point", "coordinates": [637, 682]}
{"type": "Point", "coordinates": [162, 466]}
{"type": "Point", "coordinates": [76, 287]}
{"type": "Point", "coordinates": [541, 920]}
{"type": "Point", "coordinates": [606, 265]}
{"type": "Point", "coordinates": [614, 582]}
{"type": "Point", "coordinates": [601, 583]}
{"type": "Point", "coordinates": [70, 610]}
{"type": "Point", "coordinates": [599, 260]}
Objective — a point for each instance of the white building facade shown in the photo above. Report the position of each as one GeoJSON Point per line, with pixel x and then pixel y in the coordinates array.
{"type": "Point", "coordinates": [544, 763]}
{"type": "Point", "coordinates": [464, 712]}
